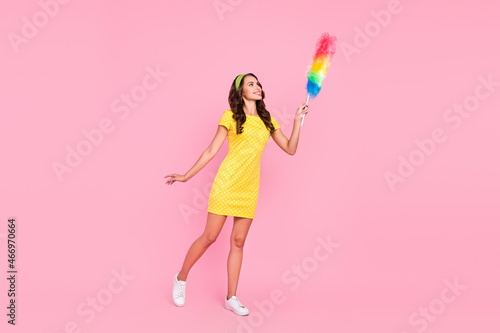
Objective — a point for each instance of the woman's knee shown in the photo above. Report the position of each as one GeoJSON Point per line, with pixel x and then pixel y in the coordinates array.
{"type": "Point", "coordinates": [238, 242]}
{"type": "Point", "coordinates": [209, 239]}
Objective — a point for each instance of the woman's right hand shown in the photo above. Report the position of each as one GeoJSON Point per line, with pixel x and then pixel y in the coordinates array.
{"type": "Point", "coordinates": [175, 177]}
{"type": "Point", "coordinates": [302, 111]}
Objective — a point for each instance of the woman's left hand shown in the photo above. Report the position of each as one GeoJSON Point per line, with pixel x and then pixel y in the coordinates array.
{"type": "Point", "coordinates": [301, 111]}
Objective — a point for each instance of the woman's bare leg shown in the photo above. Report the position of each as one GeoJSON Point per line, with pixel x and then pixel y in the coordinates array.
{"type": "Point", "coordinates": [214, 225]}
{"type": "Point", "coordinates": [238, 236]}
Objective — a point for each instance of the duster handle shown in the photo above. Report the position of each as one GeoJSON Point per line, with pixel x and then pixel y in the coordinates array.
{"type": "Point", "coordinates": [304, 116]}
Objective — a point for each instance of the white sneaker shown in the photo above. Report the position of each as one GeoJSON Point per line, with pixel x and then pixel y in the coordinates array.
{"type": "Point", "coordinates": [179, 291]}
{"type": "Point", "coordinates": [235, 305]}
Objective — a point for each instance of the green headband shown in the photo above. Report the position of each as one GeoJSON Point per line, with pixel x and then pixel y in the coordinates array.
{"type": "Point", "coordinates": [238, 80]}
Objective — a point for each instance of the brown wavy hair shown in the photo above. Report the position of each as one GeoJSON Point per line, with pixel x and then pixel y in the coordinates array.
{"type": "Point", "coordinates": [236, 103]}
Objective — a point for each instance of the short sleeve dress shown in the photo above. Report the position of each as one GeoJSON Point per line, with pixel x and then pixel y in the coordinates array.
{"type": "Point", "coordinates": [235, 189]}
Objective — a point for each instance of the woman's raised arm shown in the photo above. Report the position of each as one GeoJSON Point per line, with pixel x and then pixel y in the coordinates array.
{"type": "Point", "coordinates": [290, 146]}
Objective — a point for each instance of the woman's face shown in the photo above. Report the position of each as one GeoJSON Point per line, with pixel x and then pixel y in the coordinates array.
{"type": "Point", "coordinates": [252, 90]}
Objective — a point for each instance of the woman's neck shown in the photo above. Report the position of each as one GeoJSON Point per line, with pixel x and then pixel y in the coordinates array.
{"type": "Point", "coordinates": [250, 109]}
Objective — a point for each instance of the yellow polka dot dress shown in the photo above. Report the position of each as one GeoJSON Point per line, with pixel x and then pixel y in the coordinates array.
{"type": "Point", "coordinates": [235, 190]}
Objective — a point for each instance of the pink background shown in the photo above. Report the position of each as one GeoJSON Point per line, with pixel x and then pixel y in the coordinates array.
{"type": "Point", "coordinates": [398, 246]}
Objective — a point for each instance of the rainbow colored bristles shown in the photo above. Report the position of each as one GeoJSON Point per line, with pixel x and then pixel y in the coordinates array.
{"type": "Point", "coordinates": [325, 49]}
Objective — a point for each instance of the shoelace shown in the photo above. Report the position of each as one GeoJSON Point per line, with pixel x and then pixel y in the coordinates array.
{"type": "Point", "coordinates": [238, 302]}
{"type": "Point", "coordinates": [180, 290]}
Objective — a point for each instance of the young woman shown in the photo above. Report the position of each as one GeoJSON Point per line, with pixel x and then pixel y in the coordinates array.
{"type": "Point", "coordinates": [234, 192]}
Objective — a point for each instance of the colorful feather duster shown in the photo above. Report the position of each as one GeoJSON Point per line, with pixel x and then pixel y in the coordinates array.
{"type": "Point", "coordinates": [325, 49]}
